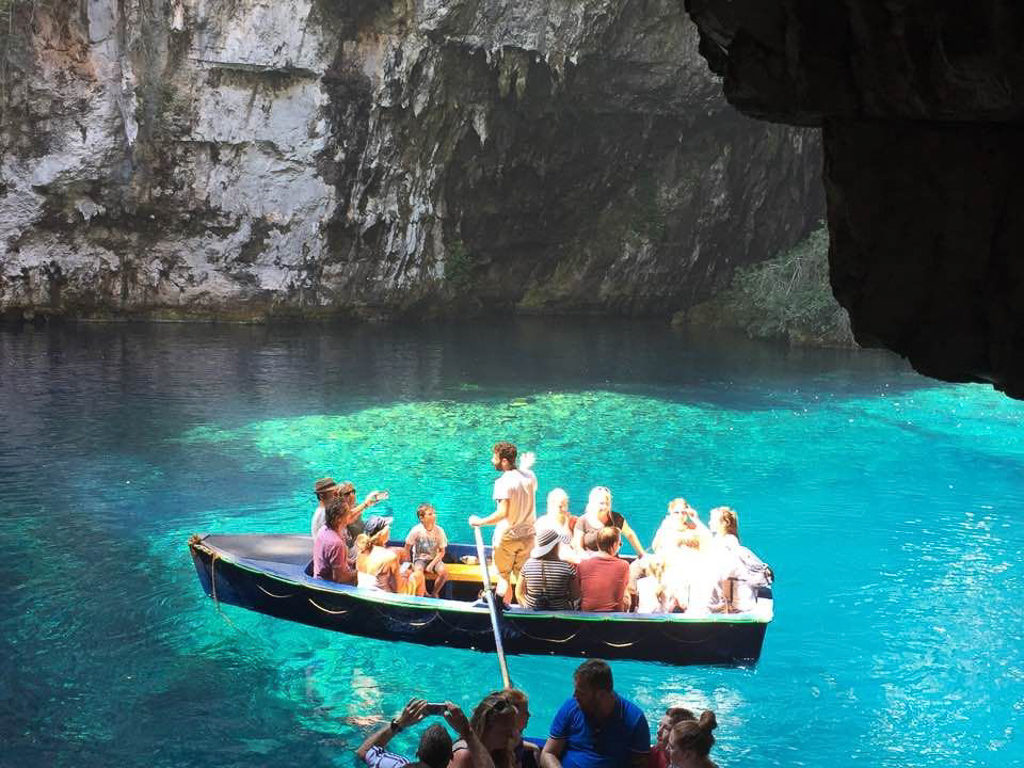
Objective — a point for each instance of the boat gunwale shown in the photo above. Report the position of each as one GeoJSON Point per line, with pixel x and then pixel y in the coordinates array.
{"type": "Point", "coordinates": [459, 606]}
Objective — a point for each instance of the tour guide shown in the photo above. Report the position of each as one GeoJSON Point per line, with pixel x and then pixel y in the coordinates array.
{"type": "Point", "coordinates": [516, 493]}
{"type": "Point", "coordinates": [597, 728]}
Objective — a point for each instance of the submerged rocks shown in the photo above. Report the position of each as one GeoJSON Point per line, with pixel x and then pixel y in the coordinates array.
{"type": "Point", "coordinates": [242, 158]}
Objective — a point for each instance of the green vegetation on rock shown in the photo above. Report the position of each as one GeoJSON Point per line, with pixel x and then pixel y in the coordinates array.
{"type": "Point", "coordinates": [787, 297]}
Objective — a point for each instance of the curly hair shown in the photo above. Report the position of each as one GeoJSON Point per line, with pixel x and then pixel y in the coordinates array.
{"type": "Point", "coordinates": [506, 450]}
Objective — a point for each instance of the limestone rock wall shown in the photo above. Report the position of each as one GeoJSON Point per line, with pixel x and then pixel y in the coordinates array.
{"type": "Point", "coordinates": [245, 158]}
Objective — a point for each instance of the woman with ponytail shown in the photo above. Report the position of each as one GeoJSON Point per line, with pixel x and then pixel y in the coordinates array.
{"type": "Point", "coordinates": [689, 745]}
{"type": "Point", "coordinates": [376, 565]}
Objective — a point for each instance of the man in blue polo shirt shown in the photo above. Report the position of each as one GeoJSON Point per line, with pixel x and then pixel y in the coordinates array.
{"type": "Point", "coordinates": [597, 728]}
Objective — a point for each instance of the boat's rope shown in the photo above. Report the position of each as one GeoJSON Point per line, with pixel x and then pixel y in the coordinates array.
{"type": "Point", "coordinates": [462, 629]}
{"type": "Point", "coordinates": [619, 645]}
{"type": "Point", "coordinates": [316, 605]}
{"type": "Point", "coordinates": [213, 576]}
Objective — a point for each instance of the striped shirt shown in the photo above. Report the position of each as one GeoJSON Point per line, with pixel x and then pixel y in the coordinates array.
{"type": "Point", "coordinates": [548, 583]}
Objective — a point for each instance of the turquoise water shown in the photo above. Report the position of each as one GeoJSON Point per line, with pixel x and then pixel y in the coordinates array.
{"type": "Point", "coordinates": [885, 502]}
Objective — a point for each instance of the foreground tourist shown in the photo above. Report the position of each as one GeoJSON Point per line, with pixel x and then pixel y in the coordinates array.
{"type": "Point", "coordinates": [689, 744]}
{"type": "Point", "coordinates": [435, 748]}
{"type": "Point", "coordinates": [495, 722]}
{"type": "Point", "coordinates": [672, 717]}
{"type": "Point", "coordinates": [597, 728]}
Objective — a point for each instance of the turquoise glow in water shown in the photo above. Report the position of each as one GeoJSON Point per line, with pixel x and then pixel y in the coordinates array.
{"type": "Point", "coordinates": [885, 502]}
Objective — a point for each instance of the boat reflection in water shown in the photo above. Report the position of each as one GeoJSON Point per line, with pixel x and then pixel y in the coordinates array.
{"type": "Point", "coordinates": [271, 574]}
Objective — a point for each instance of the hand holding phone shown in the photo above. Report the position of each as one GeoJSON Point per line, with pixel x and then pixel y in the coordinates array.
{"type": "Point", "coordinates": [435, 708]}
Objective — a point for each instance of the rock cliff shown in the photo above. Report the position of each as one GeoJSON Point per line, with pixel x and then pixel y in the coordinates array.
{"type": "Point", "coordinates": [922, 109]}
{"type": "Point", "coordinates": [245, 158]}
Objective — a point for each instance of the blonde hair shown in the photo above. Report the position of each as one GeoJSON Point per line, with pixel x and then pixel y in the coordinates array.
{"type": "Point", "coordinates": [594, 499]}
{"type": "Point", "coordinates": [555, 499]}
{"type": "Point", "coordinates": [363, 543]}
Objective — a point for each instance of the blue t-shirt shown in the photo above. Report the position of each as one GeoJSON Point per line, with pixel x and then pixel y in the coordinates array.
{"type": "Point", "coordinates": [610, 744]}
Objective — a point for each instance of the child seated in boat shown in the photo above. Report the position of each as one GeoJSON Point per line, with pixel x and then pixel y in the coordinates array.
{"type": "Point", "coordinates": [425, 546]}
{"type": "Point", "coordinates": [376, 565]}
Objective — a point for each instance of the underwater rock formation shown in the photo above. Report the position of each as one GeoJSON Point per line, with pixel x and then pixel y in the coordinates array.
{"type": "Point", "coordinates": [921, 105]}
{"type": "Point", "coordinates": [252, 158]}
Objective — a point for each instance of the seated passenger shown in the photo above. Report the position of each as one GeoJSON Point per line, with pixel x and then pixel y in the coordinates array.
{"type": "Point", "coordinates": [558, 519]}
{"type": "Point", "coordinates": [599, 514]}
{"type": "Point", "coordinates": [680, 527]}
{"type": "Point", "coordinates": [547, 582]}
{"type": "Point", "coordinates": [348, 492]}
{"type": "Point", "coordinates": [325, 490]}
{"type": "Point", "coordinates": [650, 593]}
{"type": "Point", "coordinates": [737, 571]}
{"type": "Point", "coordinates": [604, 577]}
{"type": "Point", "coordinates": [425, 546]}
{"type": "Point", "coordinates": [376, 565]}
{"type": "Point", "coordinates": [686, 580]}
{"type": "Point", "coordinates": [330, 550]}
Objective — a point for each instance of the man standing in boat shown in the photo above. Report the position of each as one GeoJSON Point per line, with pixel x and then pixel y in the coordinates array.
{"type": "Point", "coordinates": [515, 492]}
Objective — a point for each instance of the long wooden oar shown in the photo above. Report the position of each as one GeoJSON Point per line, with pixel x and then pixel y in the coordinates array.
{"type": "Point", "coordinates": [489, 597]}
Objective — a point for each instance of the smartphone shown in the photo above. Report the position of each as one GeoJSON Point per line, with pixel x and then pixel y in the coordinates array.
{"type": "Point", "coordinates": [435, 708]}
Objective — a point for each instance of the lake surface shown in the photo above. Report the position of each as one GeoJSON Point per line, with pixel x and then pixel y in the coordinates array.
{"type": "Point", "coordinates": [888, 504]}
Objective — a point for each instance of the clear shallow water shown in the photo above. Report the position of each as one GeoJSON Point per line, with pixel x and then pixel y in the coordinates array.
{"type": "Point", "coordinates": [886, 502]}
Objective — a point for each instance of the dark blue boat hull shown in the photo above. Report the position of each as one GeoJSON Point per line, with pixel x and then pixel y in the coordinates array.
{"type": "Point", "coordinates": [283, 589]}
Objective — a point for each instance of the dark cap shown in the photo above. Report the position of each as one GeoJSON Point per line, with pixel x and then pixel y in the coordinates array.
{"type": "Point", "coordinates": [376, 524]}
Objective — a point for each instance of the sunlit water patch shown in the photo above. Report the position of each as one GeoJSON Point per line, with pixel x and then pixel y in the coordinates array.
{"type": "Point", "coordinates": [886, 503]}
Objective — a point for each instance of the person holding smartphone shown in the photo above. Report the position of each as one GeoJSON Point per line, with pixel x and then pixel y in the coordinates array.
{"type": "Point", "coordinates": [435, 747]}
{"type": "Point", "coordinates": [347, 491]}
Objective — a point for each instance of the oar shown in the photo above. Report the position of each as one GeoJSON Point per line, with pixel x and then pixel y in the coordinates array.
{"type": "Point", "coordinates": [489, 596]}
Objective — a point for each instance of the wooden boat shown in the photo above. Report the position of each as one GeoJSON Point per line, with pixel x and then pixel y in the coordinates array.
{"type": "Point", "coordinates": [272, 575]}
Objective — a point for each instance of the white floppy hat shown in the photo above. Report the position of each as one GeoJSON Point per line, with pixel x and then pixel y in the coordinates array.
{"type": "Point", "coordinates": [547, 539]}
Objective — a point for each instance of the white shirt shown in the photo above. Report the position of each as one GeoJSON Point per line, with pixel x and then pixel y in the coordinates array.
{"type": "Point", "coordinates": [319, 520]}
{"type": "Point", "coordinates": [519, 487]}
